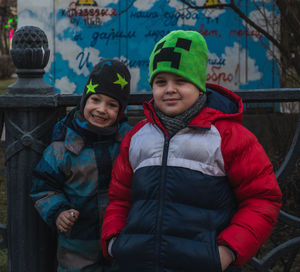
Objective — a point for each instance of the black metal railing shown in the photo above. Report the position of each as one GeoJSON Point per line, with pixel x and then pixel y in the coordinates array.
{"type": "Point", "coordinates": [29, 111]}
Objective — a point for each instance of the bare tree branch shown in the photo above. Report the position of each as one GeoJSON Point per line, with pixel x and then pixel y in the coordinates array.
{"type": "Point", "coordinates": [205, 7]}
{"type": "Point", "coordinates": [242, 15]}
{"type": "Point", "coordinates": [287, 42]}
{"type": "Point", "coordinates": [127, 8]}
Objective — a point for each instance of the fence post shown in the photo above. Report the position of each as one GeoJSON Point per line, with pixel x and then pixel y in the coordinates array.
{"type": "Point", "coordinates": [31, 244]}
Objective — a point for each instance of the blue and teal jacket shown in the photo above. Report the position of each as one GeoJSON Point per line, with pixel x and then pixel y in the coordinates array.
{"type": "Point", "coordinates": [74, 172]}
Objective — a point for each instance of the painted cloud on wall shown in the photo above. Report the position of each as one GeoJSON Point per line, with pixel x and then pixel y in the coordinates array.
{"type": "Point", "coordinates": [231, 69]}
{"type": "Point", "coordinates": [142, 5]}
{"type": "Point", "coordinates": [66, 85]}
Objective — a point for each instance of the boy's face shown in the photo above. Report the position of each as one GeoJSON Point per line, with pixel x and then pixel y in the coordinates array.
{"type": "Point", "coordinates": [173, 94]}
{"type": "Point", "coordinates": [101, 110]}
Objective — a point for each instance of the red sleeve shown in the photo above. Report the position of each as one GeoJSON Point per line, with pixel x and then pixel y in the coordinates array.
{"type": "Point", "coordinates": [119, 193]}
{"type": "Point", "coordinates": [258, 195]}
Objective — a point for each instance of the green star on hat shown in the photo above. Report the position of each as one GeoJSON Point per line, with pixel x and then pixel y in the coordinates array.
{"type": "Point", "coordinates": [91, 87]}
{"type": "Point", "coordinates": [121, 81]}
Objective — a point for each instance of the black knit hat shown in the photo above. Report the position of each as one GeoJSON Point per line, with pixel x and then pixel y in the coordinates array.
{"type": "Point", "coordinates": [109, 77]}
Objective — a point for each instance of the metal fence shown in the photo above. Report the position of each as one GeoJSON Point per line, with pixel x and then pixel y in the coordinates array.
{"type": "Point", "coordinates": [31, 108]}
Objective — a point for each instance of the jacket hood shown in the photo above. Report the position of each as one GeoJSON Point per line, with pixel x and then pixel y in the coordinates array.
{"type": "Point", "coordinates": [221, 104]}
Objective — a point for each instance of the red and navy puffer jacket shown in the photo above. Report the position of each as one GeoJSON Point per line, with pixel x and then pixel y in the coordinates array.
{"type": "Point", "coordinates": [173, 200]}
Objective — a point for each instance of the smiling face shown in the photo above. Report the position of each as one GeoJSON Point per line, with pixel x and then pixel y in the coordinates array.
{"type": "Point", "coordinates": [173, 94]}
{"type": "Point", "coordinates": [101, 110]}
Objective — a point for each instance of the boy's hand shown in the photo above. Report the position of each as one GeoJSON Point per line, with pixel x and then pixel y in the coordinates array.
{"type": "Point", "coordinates": [226, 256]}
{"type": "Point", "coordinates": [66, 220]}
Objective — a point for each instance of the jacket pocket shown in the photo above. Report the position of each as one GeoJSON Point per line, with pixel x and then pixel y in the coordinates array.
{"type": "Point", "coordinates": [115, 246]}
{"type": "Point", "coordinates": [216, 252]}
{"type": "Point", "coordinates": [134, 252]}
{"type": "Point", "coordinates": [217, 258]}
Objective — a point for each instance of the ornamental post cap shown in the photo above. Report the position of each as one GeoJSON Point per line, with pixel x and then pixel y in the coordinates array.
{"type": "Point", "coordinates": [30, 48]}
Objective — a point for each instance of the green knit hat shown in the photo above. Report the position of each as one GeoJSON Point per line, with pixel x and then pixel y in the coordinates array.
{"type": "Point", "coordinates": [183, 53]}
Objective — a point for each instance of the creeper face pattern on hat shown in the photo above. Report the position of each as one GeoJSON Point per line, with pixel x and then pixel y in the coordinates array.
{"type": "Point", "coordinates": [183, 53]}
{"type": "Point", "coordinates": [109, 77]}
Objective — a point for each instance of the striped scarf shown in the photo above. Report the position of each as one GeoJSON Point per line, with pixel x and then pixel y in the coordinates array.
{"type": "Point", "coordinates": [178, 122]}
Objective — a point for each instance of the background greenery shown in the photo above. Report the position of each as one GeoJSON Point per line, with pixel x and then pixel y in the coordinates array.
{"type": "Point", "coordinates": [3, 197]}
{"type": "Point", "coordinates": [4, 83]}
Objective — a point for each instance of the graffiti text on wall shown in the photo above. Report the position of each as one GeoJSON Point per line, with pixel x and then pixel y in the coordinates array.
{"type": "Point", "coordinates": [215, 75]}
{"type": "Point", "coordinates": [91, 15]}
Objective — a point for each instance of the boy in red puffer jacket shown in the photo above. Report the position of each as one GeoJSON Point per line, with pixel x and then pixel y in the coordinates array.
{"type": "Point", "coordinates": [192, 189]}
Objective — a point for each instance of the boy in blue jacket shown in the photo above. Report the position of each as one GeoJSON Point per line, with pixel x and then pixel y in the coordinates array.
{"type": "Point", "coordinates": [71, 180]}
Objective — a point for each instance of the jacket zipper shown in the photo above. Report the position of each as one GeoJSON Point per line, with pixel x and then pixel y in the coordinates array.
{"type": "Point", "coordinates": [161, 199]}
{"type": "Point", "coordinates": [161, 194]}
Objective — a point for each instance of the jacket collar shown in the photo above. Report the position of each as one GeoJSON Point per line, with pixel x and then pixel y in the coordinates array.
{"type": "Point", "coordinates": [221, 104]}
{"type": "Point", "coordinates": [75, 143]}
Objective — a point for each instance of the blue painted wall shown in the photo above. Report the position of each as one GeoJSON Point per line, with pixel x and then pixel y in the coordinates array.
{"type": "Point", "coordinates": [81, 32]}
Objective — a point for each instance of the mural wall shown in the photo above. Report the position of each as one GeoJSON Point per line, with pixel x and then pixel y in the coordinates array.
{"type": "Point", "coordinates": [80, 32]}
